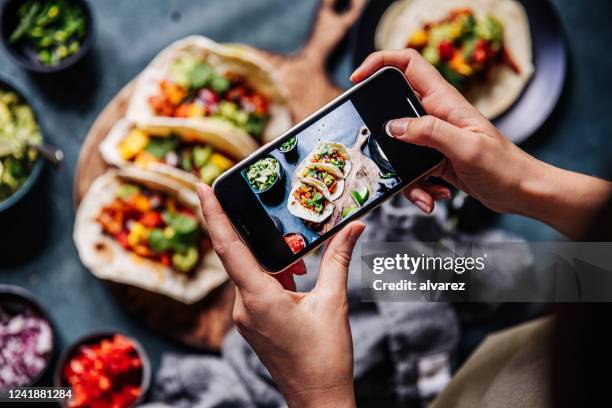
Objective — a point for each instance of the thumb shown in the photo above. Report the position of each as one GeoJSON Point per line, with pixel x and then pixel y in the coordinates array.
{"type": "Point", "coordinates": [429, 131]}
{"type": "Point", "coordinates": [336, 258]}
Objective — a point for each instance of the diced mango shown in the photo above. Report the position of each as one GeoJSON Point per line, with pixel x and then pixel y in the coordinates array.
{"type": "Point", "coordinates": [173, 92]}
{"type": "Point", "coordinates": [222, 162]}
{"type": "Point", "coordinates": [141, 202]}
{"type": "Point", "coordinates": [459, 65]}
{"type": "Point", "coordinates": [134, 143]}
{"type": "Point", "coordinates": [138, 233]}
{"type": "Point", "coordinates": [195, 110]}
{"type": "Point", "coordinates": [418, 39]}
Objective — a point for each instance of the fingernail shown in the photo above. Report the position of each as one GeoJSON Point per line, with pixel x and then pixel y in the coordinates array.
{"type": "Point", "coordinates": [396, 127]}
{"type": "Point", "coordinates": [423, 207]}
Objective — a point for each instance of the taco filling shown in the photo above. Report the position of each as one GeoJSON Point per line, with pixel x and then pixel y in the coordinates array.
{"type": "Point", "coordinates": [462, 47]}
{"type": "Point", "coordinates": [155, 226]}
{"type": "Point", "coordinates": [310, 198]}
{"type": "Point", "coordinates": [322, 175]}
{"type": "Point", "coordinates": [199, 159]}
{"type": "Point", "coordinates": [327, 153]}
{"type": "Point", "coordinates": [196, 89]}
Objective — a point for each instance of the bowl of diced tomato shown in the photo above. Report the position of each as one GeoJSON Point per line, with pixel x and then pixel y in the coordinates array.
{"type": "Point", "coordinates": [104, 369]}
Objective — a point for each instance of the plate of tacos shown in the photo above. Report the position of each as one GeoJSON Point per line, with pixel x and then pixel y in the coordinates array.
{"type": "Point", "coordinates": [507, 57]}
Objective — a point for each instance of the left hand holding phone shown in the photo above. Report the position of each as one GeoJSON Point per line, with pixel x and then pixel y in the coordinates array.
{"type": "Point", "coordinates": [304, 339]}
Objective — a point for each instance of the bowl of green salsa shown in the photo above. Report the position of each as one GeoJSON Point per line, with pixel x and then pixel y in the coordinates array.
{"type": "Point", "coordinates": [46, 35]}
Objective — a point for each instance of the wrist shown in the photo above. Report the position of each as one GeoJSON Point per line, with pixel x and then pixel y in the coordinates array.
{"type": "Point", "coordinates": [332, 397]}
{"type": "Point", "coordinates": [565, 200]}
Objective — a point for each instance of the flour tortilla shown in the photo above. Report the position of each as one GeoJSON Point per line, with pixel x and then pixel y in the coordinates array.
{"type": "Point", "coordinates": [107, 260]}
{"type": "Point", "coordinates": [109, 148]}
{"type": "Point", "coordinates": [496, 96]}
{"type": "Point", "coordinates": [298, 210]}
{"type": "Point", "coordinates": [332, 170]}
{"type": "Point", "coordinates": [257, 72]}
{"type": "Point", "coordinates": [338, 147]}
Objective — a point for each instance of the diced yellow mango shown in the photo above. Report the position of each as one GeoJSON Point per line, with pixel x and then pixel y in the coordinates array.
{"type": "Point", "coordinates": [222, 162]}
{"type": "Point", "coordinates": [141, 202]}
{"type": "Point", "coordinates": [418, 39]}
{"type": "Point", "coordinates": [196, 110]}
{"type": "Point", "coordinates": [138, 233]}
{"type": "Point", "coordinates": [459, 64]}
{"type": "Point", "coordinates": [134, 143]}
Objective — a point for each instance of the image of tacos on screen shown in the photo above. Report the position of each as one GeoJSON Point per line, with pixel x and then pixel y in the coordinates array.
{"type": "Point", "coordinates": [187, 156]}
{"type": "Point", "coordinates": [141, 229]}
{"type": "Point", "coordinates": [334, 154]}
{"type": "Point", "coordinates": [482, 47]}
{"type": "Point", "coordinates": [331, 177]}
{"type": "Point", "coordinates": [210, 87]}
{"type": "Point", "coordinates": [310, 201]}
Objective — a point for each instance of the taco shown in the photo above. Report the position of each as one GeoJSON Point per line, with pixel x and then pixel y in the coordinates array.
{"type": "Point", "coordinates": [141, 229]}
{"type": "Point", "coordinates": [187, 156]}
{"type": "Point", "coordinates": [310, 201]}
{"type": "Point", "coordinates": [482, 47]}
{"type": "Point", "coordinates": [334, 154]}
{"type": "Point", "coordinates": [329, 176]}
{"type": "Point", "coordinates": [212, 88]}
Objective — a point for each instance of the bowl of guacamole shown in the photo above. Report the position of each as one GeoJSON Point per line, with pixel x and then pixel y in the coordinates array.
{"type": "Point", "coordinates": [20, 163]}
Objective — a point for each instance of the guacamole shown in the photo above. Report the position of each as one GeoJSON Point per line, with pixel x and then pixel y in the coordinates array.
{"type": "Point", "coordinates": [263, 173]}
{"type": "Point", "coordinates": [18, 130]}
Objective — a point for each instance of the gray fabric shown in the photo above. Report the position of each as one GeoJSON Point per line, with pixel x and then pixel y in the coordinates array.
{"type": "Point", "coordinates": [389, 338]}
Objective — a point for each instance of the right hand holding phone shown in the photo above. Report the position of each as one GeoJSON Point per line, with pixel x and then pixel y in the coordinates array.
{"type": "Point", "coordinates": [479, 159]}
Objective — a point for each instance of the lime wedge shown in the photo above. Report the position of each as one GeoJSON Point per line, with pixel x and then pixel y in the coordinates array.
{"type": "Point", "coordinates": [348, 211]}
{"type": "Point", "coordinates": [360, 196]}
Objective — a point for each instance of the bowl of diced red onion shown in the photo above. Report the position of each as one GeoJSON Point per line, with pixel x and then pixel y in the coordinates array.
{"type": "Point", "coordinates": [26, 338]}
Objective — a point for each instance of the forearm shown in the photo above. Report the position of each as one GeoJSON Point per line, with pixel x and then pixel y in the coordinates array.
{"type": "Point", "coordinates": [567, 201]}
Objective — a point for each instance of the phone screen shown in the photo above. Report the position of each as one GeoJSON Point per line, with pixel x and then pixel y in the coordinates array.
{"type": "Point", "coordinates": [295, 193]}
{"type": "Point", "coordinates": [322, 176]}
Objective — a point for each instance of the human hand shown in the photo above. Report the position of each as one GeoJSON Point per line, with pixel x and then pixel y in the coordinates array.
{"type": "Point", "coordinates": [479, 159]}
{"type": "Point", "coordinates": [304, 339]}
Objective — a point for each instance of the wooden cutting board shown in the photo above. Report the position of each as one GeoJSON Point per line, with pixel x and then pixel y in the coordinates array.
{"type": "Point", "coordinates": [203, 325]}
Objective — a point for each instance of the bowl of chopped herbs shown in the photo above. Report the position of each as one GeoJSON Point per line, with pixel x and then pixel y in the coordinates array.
{"type": "Point", "coordinates": [46, 35]}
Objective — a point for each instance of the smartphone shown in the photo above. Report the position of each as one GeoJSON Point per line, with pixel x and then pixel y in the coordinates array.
{"type": "Point", "coordinates": [293, 194]}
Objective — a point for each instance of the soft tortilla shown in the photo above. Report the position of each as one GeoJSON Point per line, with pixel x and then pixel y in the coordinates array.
{"type": "Point", "coordinates": [258, 74]}
{"type": "Point", "coordinates": [109, 148]}
{"type": "Point", "coordinates": [496, 96]}
{"type": "Point", "coordinates": [107, 260]}
{"type": "Point", "coordinates": [298, 210]}
{"type": "Point", "coordinates": [340, 148]}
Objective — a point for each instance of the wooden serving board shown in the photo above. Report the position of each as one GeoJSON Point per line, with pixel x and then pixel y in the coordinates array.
{"type": "Point", "coordinates": [203, 325]}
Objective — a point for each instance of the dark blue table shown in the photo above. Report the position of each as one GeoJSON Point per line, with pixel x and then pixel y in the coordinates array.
{"type": "Point", "coordinates": [36, 248]}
